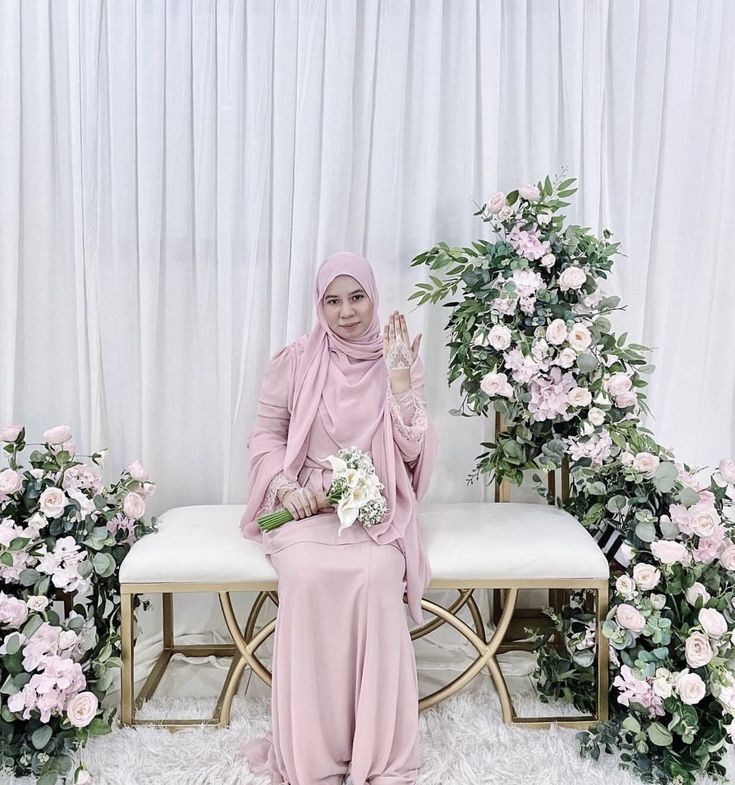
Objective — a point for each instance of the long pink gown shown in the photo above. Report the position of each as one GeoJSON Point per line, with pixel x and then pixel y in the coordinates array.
{"type": "Point", "coordinates": [345, 691]}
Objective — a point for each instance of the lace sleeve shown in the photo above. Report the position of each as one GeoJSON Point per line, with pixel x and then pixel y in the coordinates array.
{"type": "Point", "coordinates": [270, 501]}
{"type": "Point", "coordinates": [408, 413]}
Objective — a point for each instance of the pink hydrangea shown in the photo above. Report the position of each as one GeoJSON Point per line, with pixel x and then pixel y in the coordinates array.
{"type": "Point", "coordinates": [635, 690]}
{"type": "Point", "coordinates": [526, 243]}
{"type": "Point", "coordinates": [58, 680]}
{"type": "Point", "coordinates": [549, 395]}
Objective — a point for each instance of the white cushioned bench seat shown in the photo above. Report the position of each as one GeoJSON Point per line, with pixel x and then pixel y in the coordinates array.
{"type": "Point", "coordinates": [463, 540]}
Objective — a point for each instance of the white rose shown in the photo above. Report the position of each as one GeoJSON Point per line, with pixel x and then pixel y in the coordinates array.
{"type": "Point", "coordinates": [81, 709]}
{"type": "Point", "coordinates": [695, 591]}
{"type": "Point", "coordinates": [703, 520]}
{"type": "Point", "coordinates": [658, 601]}
{"type": "Point", "coordinates": [529, 192]}
{"type": "Point", "coordinates": [596, 416]}
{"type": "Point", "coordinates": [630, 618]}
{"type": "Point", "coordinates": [567, 358]}
{"type": "Point", "coordinates": [494, 384]}
{"type": "Point", "coordinates": [698, 650]}
{"type": "Point", "coordinates": [505, 213]}
{"type": "Point", "coordinates": [10, 481]}
{"type": "Point", "coordinates": [52, 502]}
{"type": "Point", "coordinates": [37, 521]}
{"type": "Point", "coordinates": [556, 332]}
{"type": "Point", "coordinates": [727, 470]}
{"type": "Point", "coordinates": [548, 260]}
{"type": "Point", "coordinates": [499, 337]}
{"type": "Point", "coordinates": [625, 586]}
{"type": "Point", "coordinates": [646, 462]}
{"type": "Point", "coordinates": [496, 202]}
{"type": "Point", "coordinates": [713, 622]}
{"type": "Point", "coordinates": [727, 558]}
{"type": "Point", "coordinates": [661, 684]}
{"type": "Point", "coordinates": [618, 383]}
{"type": "Point", "coordinates": [10, 433]}
{"type": "Point", "coordinates": [690, 687]}
{"type": "Point", "coordinates": [579, 396]}
{"type": "Point", "coordinates": [572, 278]}
{"type": "Point", "coordinates": [646, 576]}
{"type": "Point", "coordinates": [83, 778]}
{"type": "Point", "coordinates": [57, 435]}
{"type": "Point", "coordinates": [137, 471]}
{"type": "Point", "coordinates": [37, 602]}
{"type": "Point", "coordinates": [626, 458]}
{"type": "Point", "coordinates": [134, 506]}
{"type": "Point", "coordinates": [579, 338]}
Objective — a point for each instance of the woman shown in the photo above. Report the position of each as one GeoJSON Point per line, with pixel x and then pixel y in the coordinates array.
{"type": "Point", "coordinates": [345, 693]}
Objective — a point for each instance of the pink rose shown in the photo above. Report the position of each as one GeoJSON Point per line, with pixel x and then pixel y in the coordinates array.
{"type": "Point", "coordinates": [727, 558]}
{"type": "Point", "coordinates": [10, 433]}
{"type": "Point", "coordinates": [496, 202]}
{"type": "Point", "coordinates": [81, 709]}
{"type": "Point", "coordinates": [579, 338]}
{"type": "Point", "coordinates": [52, 502]}
{"type": "Point", "coordinates": [626, 399]}
{"type": "Point", "coordinates": [498, 337]}
{"type": "Point", "coordinates": [37, 602]}
{"type": "Point", "coordinates": [57, 435]}
{"type": "Point", "coordinates": [618, 383]}
{"type": "Point", "coordinates": [137, 471]}
{"type": "Point", "coordinates": [548, 260]}
{"type": "Point", "coordinates": [630, 618]}
{"type": "Point", "coordinates": [703, 520]}
{"type": "Point", "coordinates": [528, 192]}
{"type": "Point", "coordinates": [134, 506]}
{"type": "Point", "coordinates": [713, 622]}
{"type": "Point", "coordinates": [13, 612]}
{"type": "Point", "coordinates": [572, 278]}
{"type": "Point", "coordinates": [148, 489]}
{"type": "Point", "coordinates": [669, 551]}
{"type": "Point", "coordinates": [697, 650]}
{"type": "Point", "coordinates": [695, 591]}
{"type": "Point", "coordinates": [690, 687]}
{"type": "Point", "coordinates": [556, 332]}
{"type": "Point", "coordinates": [646, 462]}
{"type": "Point", "coordinates": [494, 384]}
{"type": "Point", "coordinates": [10, 481]}
{"type": "Point", "coordinates": [646, 576]}
{"type": "Point", "coordinates": [579, 396]}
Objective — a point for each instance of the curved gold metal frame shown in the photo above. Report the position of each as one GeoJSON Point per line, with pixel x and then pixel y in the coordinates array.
{"type": "Point", "coordinates": [246, 643]}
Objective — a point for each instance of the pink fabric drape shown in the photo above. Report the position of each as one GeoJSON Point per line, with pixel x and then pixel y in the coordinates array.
{"type": "Point", "coordinates": [346, 383]}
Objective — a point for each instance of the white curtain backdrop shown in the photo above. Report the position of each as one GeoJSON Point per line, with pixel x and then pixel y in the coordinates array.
{"type": "Point", "coordinates": [172, 174]}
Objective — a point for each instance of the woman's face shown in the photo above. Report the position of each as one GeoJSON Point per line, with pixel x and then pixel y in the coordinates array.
{"type": "Point", "coordinates": [347, 307]}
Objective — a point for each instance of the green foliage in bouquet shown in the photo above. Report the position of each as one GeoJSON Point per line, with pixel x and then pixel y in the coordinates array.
{"type": "Point", "coordinates": [63, 536]}
{"type": "Point", "coordinates": [530, 338]}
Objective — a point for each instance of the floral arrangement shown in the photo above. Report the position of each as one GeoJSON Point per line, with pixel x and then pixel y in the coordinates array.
{"type": "Point", "coordinates": [355, 489]}
{"type": "Point", "coordinates": [530, 338]}
{"type": "Point", "coordinates": [63, 536]}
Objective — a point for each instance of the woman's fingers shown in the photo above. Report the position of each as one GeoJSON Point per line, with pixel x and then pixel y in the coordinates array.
{"type": "Point", "coordinates": [415, 346]}
{"type": "Point", "coordinates": [311, 504]}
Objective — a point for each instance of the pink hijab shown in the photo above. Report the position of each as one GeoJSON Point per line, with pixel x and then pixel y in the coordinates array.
{"type": "Point", "coordinates": [347, 382]}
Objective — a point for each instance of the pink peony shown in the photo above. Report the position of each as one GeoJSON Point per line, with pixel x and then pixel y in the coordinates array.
{"type": "Point", "coordinates": [529, 192]}
{"type": "Point", "coordinates": [138, 471]}
{"type": "Point", "coordinates": [496, 203]}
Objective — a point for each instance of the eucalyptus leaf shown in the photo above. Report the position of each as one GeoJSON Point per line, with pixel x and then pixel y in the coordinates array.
{"type": "Point", "coordinates": [646, 531]}
{"type": "Point", "coordinates": [586, 362]}
{"type": "Point", "coordinates": [659, 735]}
{"type": "Point", "coordinates": [41, 736]}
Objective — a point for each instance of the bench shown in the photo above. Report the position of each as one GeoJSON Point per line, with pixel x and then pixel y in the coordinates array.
{"type": "Point", "coordinates": [507, 546]}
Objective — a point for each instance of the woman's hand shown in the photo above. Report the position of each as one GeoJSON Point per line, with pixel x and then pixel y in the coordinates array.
{"type": "Point", "coordinates": [398, 352]}
{"type": "Point", "coordinates": [303, 502]}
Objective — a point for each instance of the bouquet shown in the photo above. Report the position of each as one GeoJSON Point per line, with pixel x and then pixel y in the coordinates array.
{"type": "Point", "coordinates": [355, 490]}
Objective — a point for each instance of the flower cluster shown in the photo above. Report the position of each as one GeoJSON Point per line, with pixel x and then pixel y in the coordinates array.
{"type": "Point", "coordinates": [63, 535]}
{"type": "Point", "coordinates": [531, 340]}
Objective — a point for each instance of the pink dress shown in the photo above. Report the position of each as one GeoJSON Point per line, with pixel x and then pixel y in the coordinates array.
{"type": "Point", "coordinates": [345, 691]}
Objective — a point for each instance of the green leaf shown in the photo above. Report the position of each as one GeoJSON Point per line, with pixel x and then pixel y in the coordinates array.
{"type": "Point", "coordinates": [632, 724]}
{"type": "Point", "coordinates": [98, 727]}
{"type": "Point", "coordinates": [688, 496]}
{"type": "Point", "coordinates": [6, 558]}
{"type": "Point", "coordinates": [586, 362]}
{"type": "Point", "coordinates": [104, 564]}
{"type": "Point", "coordinates": [48, 778]}
{"type": "Point", "coordinates": [597, 488]}
{"type": "Point", "coordinates": [41, 737]}
{"type": "Point", "coordinates": [646, 531]}
{"type": "Point", "coordinates": [659, 735]}
{"type": "Point", "coordinates": [12, 643]}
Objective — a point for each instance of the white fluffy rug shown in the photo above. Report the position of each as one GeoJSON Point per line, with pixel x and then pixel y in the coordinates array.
{"type": "Point", "coordinates": [464, 742]}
